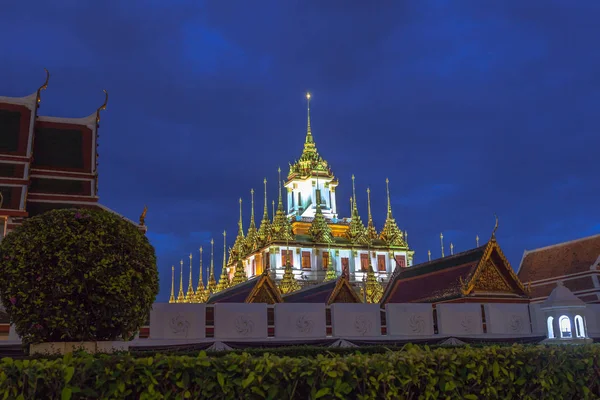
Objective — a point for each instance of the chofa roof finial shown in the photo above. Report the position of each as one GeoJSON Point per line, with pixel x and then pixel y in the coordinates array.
{"type": "Point", "coordinates": [43, 87]}
{"type": "Point", "coordinates": [102, 107]}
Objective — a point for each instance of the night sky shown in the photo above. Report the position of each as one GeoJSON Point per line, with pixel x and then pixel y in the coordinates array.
{"type": "Point", "coordinates": [469, 107]}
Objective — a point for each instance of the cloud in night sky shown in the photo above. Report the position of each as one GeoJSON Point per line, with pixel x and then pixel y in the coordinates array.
{"type": "Point", "coordinates": [470, 108]}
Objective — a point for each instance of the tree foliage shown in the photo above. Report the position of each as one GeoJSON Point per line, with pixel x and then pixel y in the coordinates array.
{"type": "Point", "coordinates": [77, 275]}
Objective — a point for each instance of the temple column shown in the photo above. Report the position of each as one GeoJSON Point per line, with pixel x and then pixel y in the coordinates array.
{"type": "Point", "coordinates": [333, 207]}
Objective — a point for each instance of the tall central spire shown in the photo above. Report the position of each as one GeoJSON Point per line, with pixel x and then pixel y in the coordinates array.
{"type": "Point", "coordinates": [309, 138]}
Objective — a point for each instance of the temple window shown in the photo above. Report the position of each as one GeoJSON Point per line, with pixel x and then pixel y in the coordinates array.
{"type": "Point", "coordinates": [565, 327]}
{"type": "Point", "coordinates": [579, 327]}
{"type": "Point", "coordinates": [325, 259]}
{"type": "Point", "coordinates": [401, 260]}
{"type": "Point", "coordinates": [550, 327]}
{"type": "Point", "coordinates": [306, 259]}
{"type": "Point", "coordinates": [381, 263]}
{"type": "Point", "coordinates": [345, 265]}
{"type": "Point", "coordinates": [364, 261]}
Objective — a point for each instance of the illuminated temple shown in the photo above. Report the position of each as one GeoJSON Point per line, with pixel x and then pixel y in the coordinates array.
{"type": "Point", "coordinates": [305, 242]}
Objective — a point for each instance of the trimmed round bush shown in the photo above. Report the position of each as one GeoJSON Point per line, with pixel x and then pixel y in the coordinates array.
{"type": "Point", "coordinates": [77, 275]}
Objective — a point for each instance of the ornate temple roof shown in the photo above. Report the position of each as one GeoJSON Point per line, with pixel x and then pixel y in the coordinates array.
{"type": "Point", "coordinates": [328, 292]}
{"type": "Point", "coordinates": [260, 289]}
{"type": "Point", "coordinates": [483, 271]}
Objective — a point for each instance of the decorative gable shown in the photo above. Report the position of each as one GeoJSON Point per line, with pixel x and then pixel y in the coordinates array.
{"type": "Point", "coordinates": [343, 293]}
{"type": "Point", "coordinates": [264, 291]}
{"type": "Point", "coordinates": [489, 279]}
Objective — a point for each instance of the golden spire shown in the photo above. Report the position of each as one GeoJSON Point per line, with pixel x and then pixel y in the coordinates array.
{"type": "Point", "coordinates": [239, 244]}
{"type": "Point", "coordinates": [281, 229]}
{"type": "Point", "coordinates": [451, 249]}
{"type": "Point", "coordinates": [201, 293]}
{"type": "Point", "coordinates": [180, 295]}
{"type": "Point", "coordinates": [429, 254]}
{"type": "Point", "coordinates": [319, 230]}
{"type": "Point", "coordinates": [240, 274]}
{"type": "Point", "coordinates": [331, 272]}
{"type": "Point", "coordinates": [189, 297]}
{"type": "Point", "coordinates": [391, 234]}
{"type": "Point", "coordinates": [252, 235]}
{"type": "Point", "coordinates": [373, 289]}
{"type": "Point", "coordinates": [212, 283]}
{"type": "Point", "coordinates": [273, 208]}
{"type": "Point", "coordinates": [288, 283]}
{"type": "Point", "coordinates": [172, 298]}
{"type": "Point", "coordinates": [356, 232]}
{"type": "Point", "coordinates": [371, 232]}
{"type": "Point", "coordinates": [442, 243]}
{"type": "Point", "coordinates": [477, 240]}
{"type": "Point", "coordinates": [224, 278]}
{"type": "Point", "coordinates": [309, 138]}
{"type": "Point", "coordinates": [264, 232]}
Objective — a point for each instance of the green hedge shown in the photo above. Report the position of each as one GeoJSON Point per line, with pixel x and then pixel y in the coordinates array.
{"type": "Point", "coordinates": [524, 372]}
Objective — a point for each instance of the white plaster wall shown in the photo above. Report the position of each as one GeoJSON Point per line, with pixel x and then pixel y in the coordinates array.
{"type": "Point", "coordinates": [409, 319]}
{"type": "Point", "coordinates": [240, 321]}
{"type": "Point", "coordinates": [459, 319]}
{"type": "Point", "coordinates": [355, 320]}
{"type": "Point", "coordinates": [177, 321]}
{"type": "Point", "coordinates": [508, 319]}
{"type": "Point", "coordinates": [299, 320]}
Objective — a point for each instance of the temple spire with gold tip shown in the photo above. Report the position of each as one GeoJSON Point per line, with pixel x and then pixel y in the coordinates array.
{"type": "Point", "coordinates": [264, 232]}
{"type": "Point", "coordinates": [190, 295]}
{"type": "Point", "coordinates": [320, 231]}
{"type": "Point", "coordinates": [289, 283]}
{"type": "Point", "coordinates": [239, 275]}
{"type": "Point", "coordinates": [391, 234]}
{"type": "Point", "coordinates": [331, 272]}
{"type": "Point", "coordinates": [252, 235]}
{"type": "Point", "coordinates": [371, 232]}
{"type": "Point", "coordinates": [356, 231]}
{"type": "Point", "coordinates": [212, 282]}
{"type": "Point", "coordinates": [172, 298]}
{"type": "Point", "coordinates": [180, 295]}
{"type": "Point", "coordinates": [282, 228]}
{"type": "Point", "coordinates": [240, 243]}
{"type": "Point", "coordinates": [201, 292]}
{"type": "Point", "coordinates": [224, 278]}
{"type": "Point", "coordinates": [373, 289]}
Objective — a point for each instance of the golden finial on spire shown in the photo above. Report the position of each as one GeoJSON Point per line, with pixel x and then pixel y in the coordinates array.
{"type": "Point", "coordinates": [451, 249]}
{"type": "Point", "coordinates": [180, 295]}
{"type": "Point", "coordinates": [308, 130]}
{"type": "Point", "coordinates": [252, 203]}
{"type": "Point", "coordinates": [212, 282]}
{"type": "Point", "coordinates": [353, 190]}
{"type": "Point", "coordinates": [477, 240]}
{"type": "Point", "coordinates": [43, 87]}
{"type": "Point", "coordinates": [224, 278]}
{"type": "Point", "coordinates": [201, 295]}
{"type": "Point", "coordinates": [429, 254]}
{"type": "Point", "coordinates": [273, 207]}
{"type": "Point", "coordinates": [189, 297]}
{"type": "Point", "coordinates": [442, 243]}
{"type": "Point", "coordinates": [172, 298]}
{"type": "Point", "coordinates": [387, 188]}
{"type": "Point", "coordinates": [102, 107]}
{"type": "Point", "coordinates": [406, 237]}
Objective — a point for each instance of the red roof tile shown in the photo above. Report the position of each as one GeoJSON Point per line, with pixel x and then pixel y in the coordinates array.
{"type": "Point", "coordinates": [560, 259]}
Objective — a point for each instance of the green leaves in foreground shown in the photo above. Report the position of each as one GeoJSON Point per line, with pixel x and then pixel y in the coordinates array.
{"type": "Point", "coordinates": [523, 372]}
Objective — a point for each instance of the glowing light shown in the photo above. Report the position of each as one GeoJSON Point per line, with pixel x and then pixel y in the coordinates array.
{"type": "Point", "coordinates": [308, 95]}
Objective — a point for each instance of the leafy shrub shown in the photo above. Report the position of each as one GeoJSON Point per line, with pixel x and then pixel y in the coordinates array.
{"type": "Point", "coordinates": [523, 372]}
{"type": "Point", "coordinates": [77, 275]}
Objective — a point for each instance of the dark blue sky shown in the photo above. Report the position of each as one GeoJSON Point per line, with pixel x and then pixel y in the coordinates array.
{"type": "Point", "coordinates": [469, 107]}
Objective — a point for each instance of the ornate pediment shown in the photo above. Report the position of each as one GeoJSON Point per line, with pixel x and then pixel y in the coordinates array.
{"type": "Point", "coordinates": [489, 279]}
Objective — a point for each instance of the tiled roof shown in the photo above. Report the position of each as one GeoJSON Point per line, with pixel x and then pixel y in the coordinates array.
{"type": "Point", "coordinates": [319, 293]}
{"type": "Point", "coordinates": [235, 294]}
{"type": "Point", "coordinates": [434, 280]}
{"type": "Point", "coordinates": [560, 259]}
